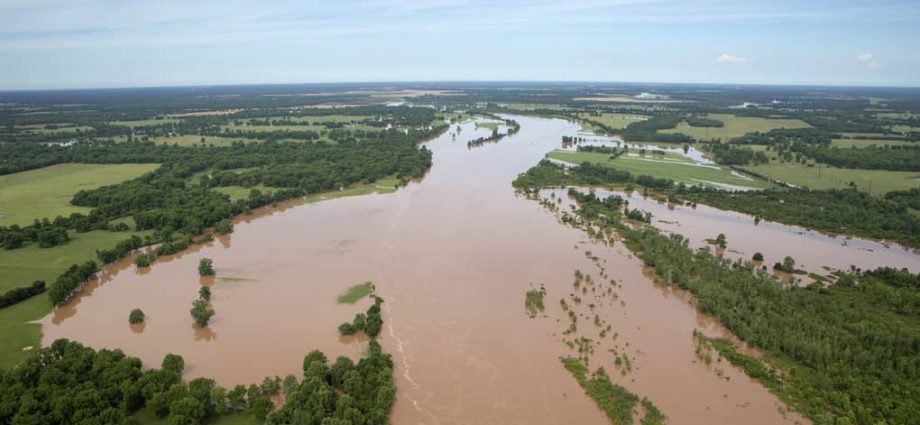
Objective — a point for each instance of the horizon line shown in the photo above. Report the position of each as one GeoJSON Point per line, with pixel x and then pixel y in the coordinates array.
{"type": "Point", "coordinates": [321, 83]}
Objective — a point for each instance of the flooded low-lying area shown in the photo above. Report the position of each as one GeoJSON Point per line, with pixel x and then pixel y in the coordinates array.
{"type": "Point", "coordinates": [453, 256]}
{"type": "Point", "coordinates": [813, 251]}
{"type": "Point", "coordinates": [590, 139]}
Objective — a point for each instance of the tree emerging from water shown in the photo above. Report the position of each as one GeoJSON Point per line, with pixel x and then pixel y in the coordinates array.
{"type": "Point", "coordinates": [201, 313]}
{"type": "Point", "coordinates": [206, 267]}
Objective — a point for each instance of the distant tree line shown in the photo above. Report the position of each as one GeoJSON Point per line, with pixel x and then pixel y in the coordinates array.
{"type": "Point", "coordinates": [729, 154]}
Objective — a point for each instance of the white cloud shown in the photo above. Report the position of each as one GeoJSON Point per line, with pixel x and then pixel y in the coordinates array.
{"type": "Point", "coordinates": [730, 58]}
{"type": "Point", "coordinates": [866, 58]}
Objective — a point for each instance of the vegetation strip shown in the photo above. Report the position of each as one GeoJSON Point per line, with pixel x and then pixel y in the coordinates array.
{"type": "Point", "coordinates": [617, 402]}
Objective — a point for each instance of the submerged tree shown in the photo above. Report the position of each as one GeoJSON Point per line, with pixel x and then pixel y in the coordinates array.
{"type": "Point", "coordinates": [201, 313]}
{"type": "Point", "coordinates": [173, 362]}
{"type": "Point", "coordinates": [136, 316]}
{"type": "Point", "coordinates": [224, 227]}
{"type": "Point", "coordinates": [370, 323]}
{"type": "Point", "coordinates": [204, 293]}
{"type": "Point", "coordinates": [788, 265]}
{"type": "Point", "coordinates": [206, 267]}
{"type": "Point", "coordinates": [143, 260]}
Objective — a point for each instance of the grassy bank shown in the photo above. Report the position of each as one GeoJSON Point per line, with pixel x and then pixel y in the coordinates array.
{"type": "Point", "coordinates": [679, 169]}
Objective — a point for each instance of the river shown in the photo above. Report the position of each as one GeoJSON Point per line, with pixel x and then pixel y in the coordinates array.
{"type": "Point", "coordinates": [453, 255]}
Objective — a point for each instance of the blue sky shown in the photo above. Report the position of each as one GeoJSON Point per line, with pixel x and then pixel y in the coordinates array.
{"type": "Point", "coordinates": [123, 43]}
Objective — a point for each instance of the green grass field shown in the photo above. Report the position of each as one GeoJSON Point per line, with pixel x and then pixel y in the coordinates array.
{"type": "Point", "coordinates": [46, 192]}
{"type": "Point", "coordinates": [382, 186]}
{"type": "Point", "coordinates": [902, 115]}
{"type": "Point", "coordinates": [194, 140]}
{"type": "Point", "coordinates": [355, 293]}
{"type": "Point", "coordinates": [734, 127]}
{"type": "Point", "coordinates": [680, 170]}
{"type": "Point", "coordinates": [17, 332]}
{"type": "Point", "coordinates": [824, 177]}
{"type": "Point", "coordinates": [491, 125]}
{"type": "Point", "coordinates": [328, 118]}
{"type": "Point", "coordinates": [240, 192]}
{"type": "Point", "coordinates": [862, 143]}
{"type": "Point", "coordinates": [618, 121]}
{"type": "Point", "coordinates": [141, 123]}
{"type": "Point", "coordinates": [64, 128]}
{"type": "Point", "coordinates": [905, 129]}
{"type": "Point", "coordinates": [20, 267]}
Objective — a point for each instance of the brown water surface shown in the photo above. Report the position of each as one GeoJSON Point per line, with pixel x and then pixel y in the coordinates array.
{"type": "Point", "coordinates": [452, 256]}
{"type": "Point", "coordinates": [813, 251]}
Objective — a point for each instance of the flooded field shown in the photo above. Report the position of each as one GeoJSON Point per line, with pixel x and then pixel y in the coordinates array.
{"type": "Point", "coordinates": [813, 251]}
{"type": "Point", "coordinates": [453, 256]}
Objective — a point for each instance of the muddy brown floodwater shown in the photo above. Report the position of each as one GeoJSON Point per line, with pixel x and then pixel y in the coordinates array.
{"type": "Point", "coordinates": [452, 255]}
{"type": "Point", "coordinates": [813, 251]}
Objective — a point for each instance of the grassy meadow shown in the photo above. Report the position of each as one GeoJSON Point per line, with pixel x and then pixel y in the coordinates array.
{"type": "Point", "coordinates": [18, 333]}
{"type": "Point", "coordinates": [194, 140]}
{"type": "Point", "coordinates": [240, 192]}
{"type": "Point", "coordinates": [680, 169]}
{"type": "Point", "coordinates": [61, 129]}
{"type": "Point", "coordinates": [825, 177]}
{"type": "Point", "coordinates": [864, 143]}
{"type": "Point", "coordinates": [147, 122]}
{"type": "Point", "coordinates": [20, 267]}
{"type": "Point", "coordinates": [611, 120]}
{"type": "Point", "coordinates": [46, 192]}
{"type": "Point", "coordinates": [382, 186]}
{"type": "Point", "coordinates": [734, 127]}
{"type": "Point", "coordinates": [355, 293]}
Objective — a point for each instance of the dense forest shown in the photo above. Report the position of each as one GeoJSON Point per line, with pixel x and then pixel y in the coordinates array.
{"type": "Point", "coordinates": [846, 353]}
